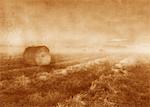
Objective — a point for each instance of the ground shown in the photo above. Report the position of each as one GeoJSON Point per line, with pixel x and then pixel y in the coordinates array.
{"type": "Point", "coordinates": [76, 81]}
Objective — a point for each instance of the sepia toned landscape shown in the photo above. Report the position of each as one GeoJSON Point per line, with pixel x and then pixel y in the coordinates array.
{"type": "Point", "coordinates": [74, 53]}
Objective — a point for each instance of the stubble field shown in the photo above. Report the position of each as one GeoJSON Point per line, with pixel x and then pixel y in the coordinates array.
{"type": "Point", "coordinates": [76, 81]}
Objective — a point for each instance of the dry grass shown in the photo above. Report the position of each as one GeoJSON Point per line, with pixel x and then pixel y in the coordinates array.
{"type": "Point", "coordinates": [90, 84]}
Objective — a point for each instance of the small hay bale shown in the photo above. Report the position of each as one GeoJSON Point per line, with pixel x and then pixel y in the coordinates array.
{"type": "Point", "coordinates": [37, 55]}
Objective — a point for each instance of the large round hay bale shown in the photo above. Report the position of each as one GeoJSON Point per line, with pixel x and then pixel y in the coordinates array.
{"type": "Point", "coordinates": [37, 55]}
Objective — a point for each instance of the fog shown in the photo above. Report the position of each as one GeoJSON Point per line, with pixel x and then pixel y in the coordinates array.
{"type": "Point", "coordinates": [73, 24]}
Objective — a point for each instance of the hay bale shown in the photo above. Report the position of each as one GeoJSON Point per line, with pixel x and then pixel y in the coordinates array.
{"type": "Point", "coordinates": [37, 55]}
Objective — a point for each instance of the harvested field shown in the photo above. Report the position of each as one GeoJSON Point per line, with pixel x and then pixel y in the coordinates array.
{"type": "Point", "coordinates": [74, 53]}
{"type": "Point", "coordinates": [87, 82]}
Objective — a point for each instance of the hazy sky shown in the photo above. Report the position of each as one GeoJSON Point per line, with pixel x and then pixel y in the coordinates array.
{"type": "Point", "coordinates": [73, 23]}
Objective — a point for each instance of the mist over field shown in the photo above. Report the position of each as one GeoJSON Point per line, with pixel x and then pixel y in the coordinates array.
{"type": "Point", "coordinates": [74, 53]}
{"type": "Point", "coordinates": [73, 24]}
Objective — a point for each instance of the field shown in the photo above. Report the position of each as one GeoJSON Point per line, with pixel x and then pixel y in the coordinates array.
{"type": "Point", "coordinates": [76, 81]}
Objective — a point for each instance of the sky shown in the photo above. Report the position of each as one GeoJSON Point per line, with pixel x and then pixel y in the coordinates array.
{"type": "Point", "coordinates": [73, 23]}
